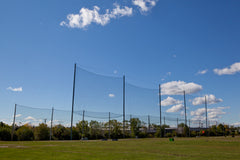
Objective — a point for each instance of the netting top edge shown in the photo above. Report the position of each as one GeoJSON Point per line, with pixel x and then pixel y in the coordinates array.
{"type": "Point", "coordinates": [24, 106]}
{"type": "Point", "coordinates": [114, 77]}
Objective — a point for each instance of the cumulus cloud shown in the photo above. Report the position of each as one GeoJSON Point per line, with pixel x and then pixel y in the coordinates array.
{"type": "Point", "coordinates": [177, 88]}
{"type": "Point", "coordinates": [236, 124]}
{"type": "Point", "coordinates": [87, 16]}
{"type": "Point", "coordinates": [18, 115]}
{"type": "Point", "coordinates": [111, 95]}
{"type": "Point", "coordinates": [19, 89]}
{"type": "Point", "coordinates": [234, 68]}
{"type": "Point", "coordinates": [203, 71]}
{"type": "Point", "coordinates": [213, 113]}
{"type": "Point", "coordinates": [30, 118]}
{"type": "Point", "coordinates": [170, 101]}
{"type": "Point", "coordinates": [211, 99]}
{"type": "Point", "coordinates": [176, 108]}
{"type": "Point", "coordinates": [145, 5]}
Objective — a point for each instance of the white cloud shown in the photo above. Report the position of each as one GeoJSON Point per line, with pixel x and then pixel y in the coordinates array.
{"type": "Point", "coordinates": [198, 112]}
{"type": "Point", "coordinates": [170, 101]}
{"type": "Point", "coordinates": [234, 68]}
{"type": "Point", "coordinates": [144, 5]}
{"type": "Point", "coordinates": [212, 113]}
{"type": "Point", "coordinates": [15, 89]}
{"type": "Point", "coordinates": [211, 99]}
{"type": "Point", "coordinates": [177, 88]}
{"type": "Point", "coordinates": [86, 16]}
{"type": "Point", "coordinates": [18, 115]}
{"type": "Point", "coordinates": [111, 95]}
{"type": "Point", "coordinates": [169, 73]}
{"type": "Point", "coordinates": [175, 108]}
{"type": "Point", "coordinates": [115, 71]}
{"type": "Point", "coordinates": [30, 118]}
{"type": "Point", "coordinates": [203, 71]}
{"type": "Point", "coordinates": [236, 124]}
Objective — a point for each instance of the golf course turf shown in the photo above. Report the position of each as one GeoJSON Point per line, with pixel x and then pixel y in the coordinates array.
{"type": "Point", "coordinates": [202, 148]}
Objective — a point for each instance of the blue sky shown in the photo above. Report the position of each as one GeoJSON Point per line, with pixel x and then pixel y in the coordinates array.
{"type": "Point", "coordinates": [149, 41]}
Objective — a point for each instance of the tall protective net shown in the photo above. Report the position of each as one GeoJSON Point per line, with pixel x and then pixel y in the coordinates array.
{"type": "Point", "coordinates": [98, 105]}
{"type": "Point", "coordinates": [36, 116]}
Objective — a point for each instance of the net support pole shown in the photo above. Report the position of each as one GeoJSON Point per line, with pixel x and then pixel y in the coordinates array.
{"type": "Point", "coordinates": [189, 127]}
{"type": "Point", "coordinates": [124, 106]}
{"type": "Point", "coordinates": [160, 108]}
{"type": "Point", "coordinates": [51, 124]}
{"type": "Point", "coordinates": [75, 66]}
{"type": "Point", "coordinates": [185, 108]}
{"type": "Point", "coordinates": [109, 129]}
{"type": "Point", "coordinates": [13, 125]}
{"type": "Point", "coordinates": [83, 122]}
{"type": "Point", "coordinates": [160, 105]}
{"type": "Point", "coordinates": [177, 126]}
{"type": "Point", "coordinates": [206, 111]}
{"type": "Point", "coordinates": [148, 122]}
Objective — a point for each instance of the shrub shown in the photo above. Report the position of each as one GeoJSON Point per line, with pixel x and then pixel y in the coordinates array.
{"type": "Point", "coordinates": [24, 133]}
{"type": "Point", "coordinates": [5, 134]}
{"type": "Point", "coordinates": [42, 132]}
{"type": "Point", "coordinates": [169, 134]}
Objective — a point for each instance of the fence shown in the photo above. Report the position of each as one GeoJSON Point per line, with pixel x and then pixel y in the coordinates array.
{"type": "Point", "coordinates": [52, 117]}
{"type": "Point", "coordinates": [113, 95]}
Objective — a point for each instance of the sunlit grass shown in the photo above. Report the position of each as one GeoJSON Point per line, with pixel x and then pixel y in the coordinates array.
{"type": "Point", "coordinates": [154, 148]}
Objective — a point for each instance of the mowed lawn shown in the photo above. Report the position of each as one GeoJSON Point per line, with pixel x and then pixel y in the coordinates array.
{"type": "Point", "coordinates": [150, 148]}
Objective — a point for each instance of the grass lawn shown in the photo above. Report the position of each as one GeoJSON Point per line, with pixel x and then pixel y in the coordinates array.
{"type": "Point", "coordinates": [151, 148]}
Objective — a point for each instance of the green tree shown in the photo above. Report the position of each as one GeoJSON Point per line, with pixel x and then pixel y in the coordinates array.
{"type": "Point", "coordinates": [220, 129]}
{"type": "Point", "coordinates": [41, 132]}
{"type": "Point", "coordinates": [213, 130]}
{"type": "Point", "coordinates": [116, 129]}
{"type": "Point", "coordinates": [25, 133]}
{"type": "Point", "coordinates": [5, 134]}
{"type": "Point", "coordinates": [62, 133]}
{"type": "Point", "coordinates": [83, 128]}
{"type": "Point", "coordinates": [95, 130]}
{"type": "Point", "coordinates": [75, 133]}
{"type": "Point", "coordinates": [135, 125]}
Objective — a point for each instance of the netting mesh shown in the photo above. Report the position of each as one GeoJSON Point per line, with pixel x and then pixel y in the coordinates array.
{"type": "Point", "coordinates": [95, 92]}
{"type": "Point", "coordinates": [105, 94]}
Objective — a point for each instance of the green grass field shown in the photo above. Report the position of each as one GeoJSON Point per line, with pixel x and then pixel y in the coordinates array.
{"type": "Point", "coordinates": [152, 148]}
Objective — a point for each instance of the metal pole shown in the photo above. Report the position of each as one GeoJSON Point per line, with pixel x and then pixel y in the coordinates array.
{"type": "Point", "coordinates": [160, 108]}
{"type": "Point", "coordinates": [83, 122]}
{"type": "Point", "coordinates": [75, 66]}
{"type": "Point", "coordinates": [177, 122]}
{"type": "Point", "coordinates": [124, 106]}
{"type": "Point", "coordinates": [13, 125]}
{"type": "Point", "coordinates": [189, 127]}
{"type": "Point", "coordinates": [206, 110]}
{"type": "Point", "coordinates": [164, 120]}
{"type": "Point", "coordinates": [148, 122]}
{"type": "Point", "coordinates": [177, 127]}
{"type": "Point", "coordinates": [160, 104]}
{"type": "Point", "coordinates": [185, 109]}
{"type": "Point", "coordinates": [109, 126]}
{"type": "Point", "coordinates": [51, 124]}
{"type": "Point", "coordinates": [45, 121]}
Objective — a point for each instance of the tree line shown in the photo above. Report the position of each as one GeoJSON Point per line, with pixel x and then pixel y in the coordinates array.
{"type": "Point", "coordinates": [112, 129]}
